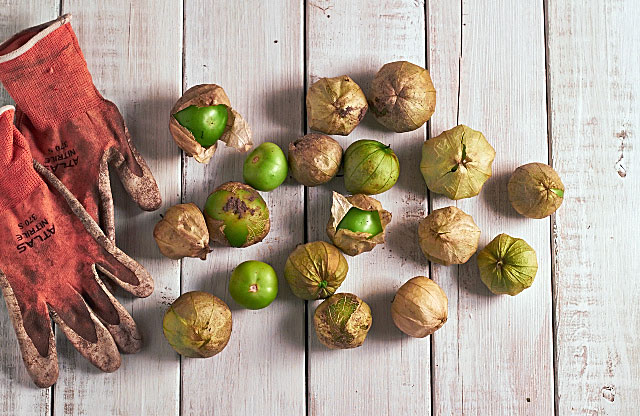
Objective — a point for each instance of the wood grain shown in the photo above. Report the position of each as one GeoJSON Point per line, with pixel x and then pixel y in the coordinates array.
{"type": "Point", "coordinates": [18, 394]}
{"type": "Point", "coordinates": [594, 81]}
{"type": "Point", "coordinates": [494, 355]}
{"type": "Point", "coordinates": [255, 51]}
{"type": "Point", "coordinates": [390, 373]}
{"type": "Point", "coordinates": [134, 54]}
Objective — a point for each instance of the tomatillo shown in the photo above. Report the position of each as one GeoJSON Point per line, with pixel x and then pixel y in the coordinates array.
{"type": "Point", "coordinates": [266, 167]}
{"type": "Point", "coordinates": [207, 124]}
{"type": "Point", "coordinates": [253, 284]}
{"type": "Point", "coordinates": [361, 221]}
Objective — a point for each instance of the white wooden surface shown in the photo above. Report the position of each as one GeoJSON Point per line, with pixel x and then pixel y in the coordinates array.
{"type": "Point", "coordinates": [495, 355]}
{"type": "Point", "coordinates": [594, 79]}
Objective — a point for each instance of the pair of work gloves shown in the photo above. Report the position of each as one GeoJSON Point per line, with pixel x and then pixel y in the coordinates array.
{"type": "Point", "coordinates": [56, 211]}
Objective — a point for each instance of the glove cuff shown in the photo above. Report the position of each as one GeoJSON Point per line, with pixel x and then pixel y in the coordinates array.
{"type": "Point", "coordinates": [17, 175]}
{"type": "Point", "coordinates": [46, 74]}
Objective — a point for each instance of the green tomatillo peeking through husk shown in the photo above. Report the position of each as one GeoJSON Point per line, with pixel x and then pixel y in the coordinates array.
{"type": "Point", "coordinates": [182, 232]}
{"type": "Point", "coordinates": [457, 162]}
{"type": "Point", "coordinates": [357, 223]}
{"type": "Point", "coordinates": [315, 270]}
{"type": "Point", "coordinates": [448, 236]}
{"type": "Point", "coordinates": [507, 265]}
{"type": "Point", "coordinates": [335, 105]}
{"type": "Point", "coordinates": [535, 190]}
{"type": "Point", "coordinates": [402, 96]}
{"type": "Point", "coordinates": [314, 159]}
{"type": "Point", "coordinates": [196, 123]}
{"type": "Point", "coordinates": [197, 325]}
{"type": "Point", "coordinates": [342, 321]}
{"type": "Point", "coordinates": [419, 307]}
{"type": "Point", "coordinates": [370, 167]}
{"type": "Point", "coordinates": [236, 215]}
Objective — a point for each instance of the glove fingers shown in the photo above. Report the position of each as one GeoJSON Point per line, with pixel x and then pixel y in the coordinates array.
{"type": "Point", "coordinates": [105, 198]}
{"type": "Point", "coordinates": [123, 328]}
{"type": "Point", "coordinates": [35, 337]}
{"type": "Point", "coordinates": [125, 271]}
{"type": "Point", "coordinates": [135, 175]}
{"type": "Point", "coordinates": [84, 330]}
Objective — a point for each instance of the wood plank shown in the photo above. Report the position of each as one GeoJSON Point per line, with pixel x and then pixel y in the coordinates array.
{"type": "Point", "coordinates": [494, 356]}
{"type": "Point", "coordinates": [390, 372]}
{"type": "Point", "coordinates": [594, 78]}
{"type": "Point", "coordinates": [134, 54]}
{"type": "Point", "coordinates": [255, 51]}
{"type": "Point", "coordinates": [18, 394]}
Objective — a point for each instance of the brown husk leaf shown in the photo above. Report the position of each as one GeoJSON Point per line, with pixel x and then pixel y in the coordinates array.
{"type": "Point", "coordinates": [354, 243]}
{"type": "Point", "coordinates": [419, 307]}
{"type": "Point", "coordinates": [182, 232]}
{"type": "Point", "coordinates": [314, 159]}
{"type": "Point", "coordinates": [342, 321]}
{"type": "Point", "coordinates": [403, 97]}
{"type": "Point", "coordinates": [448, 236]}
{"type": "Point", "coordinates": [237, 133]}
{"type": "Point", "coordinates": [530, 190]}
{"type": "Point", "coordinates": [335, 105]}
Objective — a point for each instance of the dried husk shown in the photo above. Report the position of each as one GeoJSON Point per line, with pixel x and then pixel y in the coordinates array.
{"type": "Point", "coordinates": [448, 236]}
{"type": "Point", "coordinates": [315, 270]}
{"type": "Point", "coordinates": [419, 307]}
{"type": "Point", "coordinates": [535, 190]}
{"type": "Point", "coordinates": [457, 162]}
{"type": "Point", "coordinates": [237, 133]}
{"type": "Point", "coordinates": [335, 105]}
{"type": "Point", "coordinates": [354, 243]}
{"type": "Point", "coordinates": [197, 325]}
{"type": "Point", "coordinates": [314, 159]}
{"type": "Point", "coordinates": [403, 97]}
{"type": "Point", "coordinates": [260, 223]}
{"type": "Point", "coordinates": [342, 321]}
{"type": "Point", "coordinates": [182, 232]}
{"type": "Point", "coordinates": [507, 265]}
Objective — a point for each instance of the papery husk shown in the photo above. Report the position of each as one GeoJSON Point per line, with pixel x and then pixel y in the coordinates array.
{"type": "Point", "coordinates": [342, 321]}
{"type": "Point", "coordinates": [370, 167]}
{"type": "Point", "coordinates": [197, 325]}
{"type": "Point", "coordinates": [256, 233]}
{"type": "Point", "coordinates": [314, 159]}
{"type": "Point", "coordinates": [448, 236]}
{"type": "Point", "coordinates": [237, 133]}
{"type": "Point", "coordinates": [335, 105]}
{"type": "Point", "coordinates": [507, 265]}
{"type": "Point", "coordinates": [403, 97]}
{"type": "Point", "coordinates": [419, 307]}
{"type": "Point", "coordinates": [533, 190]}
{"type": "Point", "coordinates": [182, 232]}
{"type": "Point", "coordinates": [442, 154]}
{"type": "Point", "coordinates": [311, 264]}
{"type": "Point", "coordinates": [354, 243]}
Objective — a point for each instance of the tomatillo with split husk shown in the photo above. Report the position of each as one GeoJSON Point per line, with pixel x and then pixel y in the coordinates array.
{"type": "Point", "coordinates": [361, 221]}
{"type": "Point", "coordinates": [207, 124]}
{"type": "Point", "coordinates": [253, 284]}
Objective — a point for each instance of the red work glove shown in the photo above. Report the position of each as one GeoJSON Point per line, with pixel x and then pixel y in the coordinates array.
{"type": "Point", "coordinates": [50, 251]}
{"type": "Point", "coordinates": [70, 128]}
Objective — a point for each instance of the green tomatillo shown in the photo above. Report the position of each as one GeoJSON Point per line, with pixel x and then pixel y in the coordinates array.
{"type": "Point", "coordinates": [236, 215]}
{"type": "Point", "coordinates": [361, 221]}
{"type": "Point", "coordinates": [253, 284]}
{"type": "Point", "coordinates": [266, 167]}
{"type": "Point", "coordinates": [370, 167]}
{"type": "Point", "coordinates": [357, 223]}
{"type": "Point", "coordinates": [205, 123]}
{"type": "Point", "coordinates": [507, 265]}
